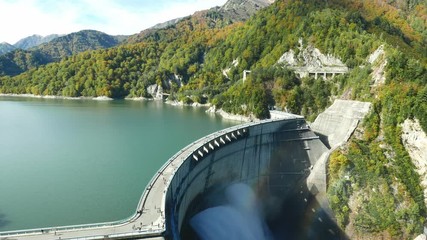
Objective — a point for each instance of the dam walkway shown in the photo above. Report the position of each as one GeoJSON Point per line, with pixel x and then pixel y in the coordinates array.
{"type": "Point", "coordinates": [148, 222]}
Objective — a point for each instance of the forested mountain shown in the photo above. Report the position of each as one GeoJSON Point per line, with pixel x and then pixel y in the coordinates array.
{"type": "Point", "coordinates": [34, 40]}
{"type": "Point", "coordinates": [19, 61]}
{"type": "Point", "coordinates": [5, 48]}
{"type": "Point", "coordinates": [202, 57]}
{"type": "Point", "coordinates": [77, 42]}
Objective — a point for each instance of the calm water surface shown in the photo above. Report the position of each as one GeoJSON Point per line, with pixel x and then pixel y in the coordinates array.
{"type": "Point", "coordinates": [68, 162]}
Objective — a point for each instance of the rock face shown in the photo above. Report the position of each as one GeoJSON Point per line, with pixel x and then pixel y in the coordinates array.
{"type": "Point", "coordinates": [240, 10]}
{"type": "Point", "coordinates": [156, 91]}
{"type": "Point", "coordinates": [379, 62]}
{"type": "Point", "coordinates": [415, 141]}
{"type": "Point", "coordinates": [166, 24]}
{"type": "Point", "coordinates": [310, 60]}
{"type": "Point", "coordinates": [235, 4]}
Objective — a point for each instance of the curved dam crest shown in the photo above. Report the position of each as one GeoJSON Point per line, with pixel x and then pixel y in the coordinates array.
{"type": "Point", "coordinates": [275, 158]}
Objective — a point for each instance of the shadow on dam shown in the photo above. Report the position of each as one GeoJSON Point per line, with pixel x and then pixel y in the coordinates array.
{"type": "Point", "coordinates": [253, 186]}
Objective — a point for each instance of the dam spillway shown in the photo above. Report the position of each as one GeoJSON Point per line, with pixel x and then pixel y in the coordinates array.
{"type": "Point", "coordinates": [273, 157]}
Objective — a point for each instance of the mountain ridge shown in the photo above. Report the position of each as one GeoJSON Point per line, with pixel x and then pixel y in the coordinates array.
{"type": "Point", "coordinates": [77, 42]}
{"type": "Point", "coordinates": [34, 40]}
{"type": "Point", "coordinates": [20, 60]}
{"type": "Point", "coordinates": [6, 47]}
{"type": "Point", "coordinates": [62, 46]}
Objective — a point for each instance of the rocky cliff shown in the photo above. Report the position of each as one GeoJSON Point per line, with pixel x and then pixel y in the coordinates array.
{"type": "Point", "coordinates": [415, 141]}
{"type": "Point", "coordinates": [240, 10]}
{"type": "Point", "coordinates": [309, 59]}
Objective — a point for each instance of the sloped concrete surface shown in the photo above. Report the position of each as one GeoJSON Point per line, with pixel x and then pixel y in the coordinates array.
{"type": "Point", "coordinates": [335, 126]}
{"type": "Point", "coordinates": [340, 120]}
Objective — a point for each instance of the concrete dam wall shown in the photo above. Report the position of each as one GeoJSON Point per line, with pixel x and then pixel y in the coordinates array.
{"type": "Point", "coordinates": [259, 180]}
{"type": "Point", "coordinates": [272, 158]}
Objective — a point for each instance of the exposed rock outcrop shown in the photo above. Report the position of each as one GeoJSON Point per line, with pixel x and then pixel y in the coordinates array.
{"type": "Point", "coordinates": [235, 63]}
{"type": "Point", "coordinates": [166, 24]}
{"type": "Point", "coordinates": [310, 60]}
{"type": "Point", "coordinates": [230, 116]}
{"type": "Point", "coordinates": [379, 62]}
{"type": "Point", "coordinates": [156, 91]}
{"type": "Point", "coordinates": [415, 141]}
{"type": "Point", "coordinates": [240, 10]}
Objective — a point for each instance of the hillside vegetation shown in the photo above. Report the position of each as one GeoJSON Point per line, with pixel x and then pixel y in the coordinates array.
{"type": "Point", "coordinates": [373, 187]}
{"type": "Point", "coordinates": [18, 61]}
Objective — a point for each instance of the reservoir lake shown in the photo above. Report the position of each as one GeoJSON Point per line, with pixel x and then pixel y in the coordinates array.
{"type": "Point", "coordinates": [66, 162]}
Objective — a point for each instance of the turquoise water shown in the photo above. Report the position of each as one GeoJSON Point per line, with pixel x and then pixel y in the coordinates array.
{"type": "Point", "coordinates": [66, 162]}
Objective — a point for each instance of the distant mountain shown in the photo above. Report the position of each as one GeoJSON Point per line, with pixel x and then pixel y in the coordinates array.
{"type": "Point", "coordinates": [166, 24]}
{"type": "Point", "coordinates": [19, 61]}
{"type": "Point", "coordinates": [77, 42]}
{"type": "Point", "coordinates": [121, 38]}
{"type": "Point", "coordinates": [34, 40]}
{"type": "Point", "coordinates": [6, 47]}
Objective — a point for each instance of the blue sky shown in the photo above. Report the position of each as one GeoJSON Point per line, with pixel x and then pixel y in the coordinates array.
{"type": "Point", "coordinates": [22, 18]}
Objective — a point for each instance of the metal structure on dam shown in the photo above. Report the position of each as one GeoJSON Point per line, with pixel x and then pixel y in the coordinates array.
{"type": "Point", "coordinates": [275, 158]}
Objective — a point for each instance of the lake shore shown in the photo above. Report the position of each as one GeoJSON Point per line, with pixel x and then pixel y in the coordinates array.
{"type": "Point", "coordinates": [211, 110]}
{"type": "Point", "coordinates": [100, 98]}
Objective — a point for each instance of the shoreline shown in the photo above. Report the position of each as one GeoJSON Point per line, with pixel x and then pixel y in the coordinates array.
{"type": "Point", "coordinates": [230, 116]}
{"type": "Point", "coordinates": [211, 110]}
{"type": "Point", "coordinates": [99, 98]}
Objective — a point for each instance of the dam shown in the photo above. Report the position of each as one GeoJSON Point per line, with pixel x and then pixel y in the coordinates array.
{"type": "Point", "coordinates": [274, 159]}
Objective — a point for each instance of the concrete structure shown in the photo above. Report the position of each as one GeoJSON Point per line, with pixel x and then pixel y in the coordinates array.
{"type": "Point", "coordinates": [277, 158]}
{"type": "Point", "coordinates": [245, 74]}
{"type": "Point", "coordinates": [335, 127]}
{"type": "Point", "coordinates": [337, 123]}
{"type": "Point", "coordinates": [316, 72]}
{"type": "Point", "coordinates": [310, 62]}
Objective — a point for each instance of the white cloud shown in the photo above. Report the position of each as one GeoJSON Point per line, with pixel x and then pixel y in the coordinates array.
{"type": "Point", "coordinates": [22, 18]}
